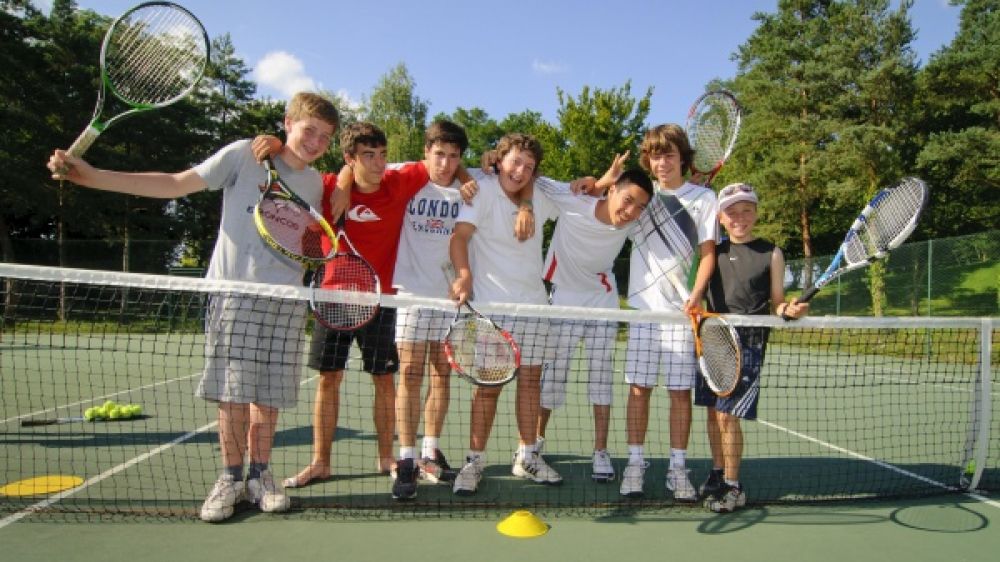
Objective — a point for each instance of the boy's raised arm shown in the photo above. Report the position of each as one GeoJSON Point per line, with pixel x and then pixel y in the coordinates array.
{"type": "Point", "coordinates": [146, 184]}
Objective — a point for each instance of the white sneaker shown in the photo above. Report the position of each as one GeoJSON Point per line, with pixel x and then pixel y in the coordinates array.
{"type": "Point", "coordinates": [221, 501]}
{"type": "Point", "coordinates": [535, 468]}
{"type": "Point", "coordinates": [539, 444]}
{"type": "Point", "coordinates": [632, 479]}
{"type": "Point", "coordinates": [467, 481]}
{"type": "Point", "coordinates": [267, 494]}
{"type": "Point", "coordinates": [730, 499]}
{"type": "Point", "coordinates": [679, 483]}
{"type": "Point", "coordinates": [603, 470]}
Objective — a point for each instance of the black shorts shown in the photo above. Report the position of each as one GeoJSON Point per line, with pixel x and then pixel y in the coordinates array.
{"type": "Point", "coordinates": [330, 349]}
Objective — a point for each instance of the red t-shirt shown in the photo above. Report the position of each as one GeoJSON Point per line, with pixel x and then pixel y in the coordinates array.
{"type": "Point", "coordinates": [374, 220]}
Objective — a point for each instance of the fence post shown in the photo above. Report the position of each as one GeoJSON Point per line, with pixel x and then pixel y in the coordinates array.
{"type": "Point", "coordinates": [930, 275]}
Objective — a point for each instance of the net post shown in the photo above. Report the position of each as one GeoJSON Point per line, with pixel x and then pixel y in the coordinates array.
{"type": "Point", "coordinates": [977, 442]}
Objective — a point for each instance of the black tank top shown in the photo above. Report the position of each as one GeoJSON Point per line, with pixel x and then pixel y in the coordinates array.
{"type": "Point", "coordinates": [742, 284]}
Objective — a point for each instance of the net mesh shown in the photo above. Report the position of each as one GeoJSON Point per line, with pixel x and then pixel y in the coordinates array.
{"type": "Point", "coordinates": [720, 354]}
{"type": "Point", "coordinates": [480, 351]}
{"type": "Point", "coordinates": [850, 408]}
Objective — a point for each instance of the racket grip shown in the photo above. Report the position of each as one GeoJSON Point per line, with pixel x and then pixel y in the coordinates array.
{"type": "Point", "coordinates": [809, 294]}
{"type": "Point", "coordinates": [36, 423]}
{"type": "Point", "coordinates": [83, 142]}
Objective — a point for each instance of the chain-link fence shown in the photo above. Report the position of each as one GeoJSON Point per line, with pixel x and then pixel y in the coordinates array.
{"type": "Point", "coordinates": [946, 277]}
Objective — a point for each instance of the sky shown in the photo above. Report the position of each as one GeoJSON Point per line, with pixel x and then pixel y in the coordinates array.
{"type": "Point", "coordinates": [505, 59]}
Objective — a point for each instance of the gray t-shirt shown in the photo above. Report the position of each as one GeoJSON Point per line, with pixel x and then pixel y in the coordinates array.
{"type": "Point", "coordinates": [240, 254]}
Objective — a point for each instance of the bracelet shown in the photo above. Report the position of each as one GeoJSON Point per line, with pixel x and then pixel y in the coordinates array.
{"type": "Point", "coordinates": [526, 205]}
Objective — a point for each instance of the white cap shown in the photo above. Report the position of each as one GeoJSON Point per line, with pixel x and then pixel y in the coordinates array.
{"type": "Point", "coordinates": [736, 192]}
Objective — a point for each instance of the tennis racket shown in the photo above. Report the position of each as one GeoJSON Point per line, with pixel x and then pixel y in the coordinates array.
{"type": "Point", "coordinates": [477, 349]}
{"type": "Point", "coordinates": [713, 124]}
{"type": "Point", "coordinates": [716, 345]}
{"type": "Point", "coordinates": [152, 56]}
{"type": "Point", "coordinates": [358, 287]}
{"type": "Point", "coordinates": [290, 225]}
{"type": "Point", "coordinates": [885, 223]}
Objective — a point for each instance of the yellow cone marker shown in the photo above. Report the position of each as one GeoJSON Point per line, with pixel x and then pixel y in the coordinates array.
{"type": "Point", "coordinates": [522, 524]}
{"type": "Point", "coordinates": [41, 485]}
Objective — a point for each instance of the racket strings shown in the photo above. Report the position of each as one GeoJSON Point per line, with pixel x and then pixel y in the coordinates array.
{"type": "Point", "coordinates": [712, 131]}
{"type": "Point", "coordinates": [720, 354]}
{"type": "Point", "coordinates": [481, 350]}
{"type": "Point", "coordinates": [155, 55]}
{"type": "Point", "coordinates": [891, 219]}
{"type": "Point", "coordinates": [294, 228]}
{"type": "Point", "coordinates": [358, 299]}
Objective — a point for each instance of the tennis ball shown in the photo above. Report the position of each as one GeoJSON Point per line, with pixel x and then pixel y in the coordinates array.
{"type": "Point", "coordinates": [970, 468]}
{"type": "Point", "coordinates": [116, 413]}
{"type": "Point", "coordinates": [131, 411]}
{"type": "Point", "coordinates": [136, 410]}
{"type": "Point", "coordinates": [90, 414]}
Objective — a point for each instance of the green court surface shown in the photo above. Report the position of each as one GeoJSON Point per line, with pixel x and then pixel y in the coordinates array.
{"type": "Point", "coordinates": [950, 528]}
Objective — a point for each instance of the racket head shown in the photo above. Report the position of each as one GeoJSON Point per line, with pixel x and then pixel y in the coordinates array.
{"type": "Point", "coordinates": [719, 352]}
{"type": "Point", "coordinates": [289, 225]}
{"type": "Point", "coordinates": [480, 351]}
{"type": "Point", "coordinates": [886, 221]}
{"type": "Point", "coordinates": [154, 54]}
{"type": "Point", "coordinates": [359, 290]}
{"type": "Point", "coordinates": [713, 124]}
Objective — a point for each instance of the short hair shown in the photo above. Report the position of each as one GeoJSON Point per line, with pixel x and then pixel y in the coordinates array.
{"type": "Point", "coordinates": [523, 142]}
{"type": "Point", "coordinates": [446, 132]}
{"type": "Point", "coordinates": [308, 104]}
{"type": "Point", "coordinates": [659, 139]}
{"type": "Point", "coordinates": [637, 177]}
{"type": "Point", "coordinates": [361, 132]}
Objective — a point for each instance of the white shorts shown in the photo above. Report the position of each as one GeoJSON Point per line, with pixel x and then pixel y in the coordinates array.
{"type": "Point", "coordinates": [598, 338]}
{"type": "Point", "coordinates": [253, 350]}
{"type": "Point", "coordinates": [658, 348]}
{"type": "Point", "coordinates": [530, 334]}
{"type": "Point", "coordinates": [415, 324]}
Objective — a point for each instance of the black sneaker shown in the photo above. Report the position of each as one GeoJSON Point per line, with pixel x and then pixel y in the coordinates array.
{"type": "Point", "coordinates": [437, 469]}
{"type": "Point", "coordinates": [405, 486]}
{"type": "Point", "coordinates": [712, 485]}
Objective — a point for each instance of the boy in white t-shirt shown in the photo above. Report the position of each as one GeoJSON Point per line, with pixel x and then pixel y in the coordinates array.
{"type": "Point", "coordinates": [493, 265]}
{"type": "Point", "coordinates": [587, 239]}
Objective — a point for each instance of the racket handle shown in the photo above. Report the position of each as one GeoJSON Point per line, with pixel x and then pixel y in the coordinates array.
{"type": "Point", "coordinates": [83, 142]}
{"type": "Point", "coordinates": [809, 294]}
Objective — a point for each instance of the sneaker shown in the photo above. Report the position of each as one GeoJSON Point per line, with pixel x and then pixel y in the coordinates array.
{"type": "Point", "coordinates": [730, 499]}
{"type": "Point", "coordinates": [539, 444]}
{"type": "Point", "coordinates": [632, 479]}
{"type": "Point", "coordinates": [267, 494]}
{"type": "Point", "coordinates": [405, 486]}
{"type": "Point", "coordinates": [222, 500]}
{"type": "Point", "coordinates": [711, 486]}
{"type": "Point", "coordinates": [603, 470]}
{"type": "Point", "coordinates": [437, 469]}
{"type": "Point", "coordinates": [535, 468]}
{"type": "Point", "coordinates": [679, 483]}
{"type": "Point", "coordinates": [467, 480]}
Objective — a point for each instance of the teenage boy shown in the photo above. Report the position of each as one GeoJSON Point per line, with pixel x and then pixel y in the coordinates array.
{"type": "Point", "coordinates": [494, 266]}
{"type": "Point", "coordinates": [652, 348]}
{"type": "Point", "coordinates": [749, 279]}
{"type": "Point", "coordinates": [253, 345]}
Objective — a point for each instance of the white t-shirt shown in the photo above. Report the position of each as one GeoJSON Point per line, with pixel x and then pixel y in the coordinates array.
{"type": "Point", "coordinates": [240, 254]}
{"type": "Point", "coordinates": [582, 250]}
{"type": "Point", "coordinates": [423, 243]}
{"type": "Point", "coordinates": [503, 268]}
{"type": "Point", "coordinates": [696, 222]}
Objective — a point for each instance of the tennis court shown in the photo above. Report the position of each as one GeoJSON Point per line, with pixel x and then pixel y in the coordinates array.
{"type": "Point", "coordinates": [866, 429]}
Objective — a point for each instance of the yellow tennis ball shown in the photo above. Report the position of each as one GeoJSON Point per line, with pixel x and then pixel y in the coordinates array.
{"type": "Point", "coordinates": [116, 413]}
{"type": "Point", "coordinates": [970, 468]}
{"type": "Point", "coordinates": [90, 414]}
{"type": "Point", "coordinates": [136, 409]}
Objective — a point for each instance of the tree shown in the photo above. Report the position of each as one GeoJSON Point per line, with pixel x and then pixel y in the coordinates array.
{"type": "Point", "coordinates": [483, 132]}
{"type": "Point", "coordinates": [959, 125]}
{"type": "Point", "coordinates": [400, 113]}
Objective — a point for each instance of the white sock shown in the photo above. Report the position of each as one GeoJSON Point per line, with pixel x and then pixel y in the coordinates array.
{"type": "Point", "coordinates": [677, 458]}
{"type": "Point", "coordinates": [431, 444]}
{"type": "Point", "coordinates": [733, 483]}
{"type": "Point", "coordinates": [473, 455]}
{"type": "Point", "coordinates": [407, 452]}
{"type": "Point", "coordinates": [635, 453]}
{"type": "Point", "coordinates": [524, 450]}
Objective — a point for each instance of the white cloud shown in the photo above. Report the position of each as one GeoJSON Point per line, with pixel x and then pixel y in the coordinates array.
{"type": "Point", "coordinates": [282, 71]}
{"type": "Point", "coordinates": [546, 67]}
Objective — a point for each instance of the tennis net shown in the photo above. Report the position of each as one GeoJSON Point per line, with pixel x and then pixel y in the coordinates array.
{"type": "Point", "coordinates": [850, 408]}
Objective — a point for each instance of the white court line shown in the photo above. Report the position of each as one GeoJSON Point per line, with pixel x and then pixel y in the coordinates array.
{"type": "Point", "coordinates": [882, 464]}
{"type": "Point", "coordinates": [112, 471]}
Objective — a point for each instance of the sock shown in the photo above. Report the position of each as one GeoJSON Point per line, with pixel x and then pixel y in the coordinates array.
{"type": "Point", "coordinates": [635, 453]}
{"type": "Point", "coordinates": [538, 443]}
{"type": "Point", "coordinates": [236, 472]}
{"type": "Point", "coordinates": [473, 455]}
{"type": "Point", "coordinates": [431, 445]}
{"type": "Point", "coordinates": [523, 450]}
{"type": "Point", "coordinates": [677, 457]}
{"type": "Point", "coordinates": [733, 483]}
{"type": "Point", "coordinates": [407, 452]}
{"type": "Point", "coordinates": [256, 468]}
